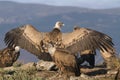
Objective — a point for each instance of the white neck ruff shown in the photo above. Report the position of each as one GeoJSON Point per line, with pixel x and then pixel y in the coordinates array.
{"type": "Point", "coordinates": [58, 27]}
{"type": "Point", "coordinates": [17, 49]}
{"type": "Point", "coordinates": [52, 51]}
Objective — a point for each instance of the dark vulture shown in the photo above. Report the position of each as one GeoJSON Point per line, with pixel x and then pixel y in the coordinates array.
{"type": "Point", "coordinates": [79, 40]}
{"type": "Point", "coordinates": [8, 56]}
{"type": "Point", "coordinates": [64, 60]}
{"type": "Point", "coordinates": [88, 56]}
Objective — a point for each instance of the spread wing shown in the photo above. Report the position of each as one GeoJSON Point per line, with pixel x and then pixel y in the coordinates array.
{"type": "Point", "coordinates": [27, 37]}
{"type": "Point", "coordinates": [86, 39]}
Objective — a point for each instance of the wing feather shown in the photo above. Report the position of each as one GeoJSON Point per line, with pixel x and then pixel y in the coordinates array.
{"type": "Point", "coordinates": [83, 38]}
{"type": "Point", "coordinates": [22, 37]}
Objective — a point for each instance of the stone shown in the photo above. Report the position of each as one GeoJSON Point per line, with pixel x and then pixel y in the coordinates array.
{"type": "Point", "coordinates": [45, 65]}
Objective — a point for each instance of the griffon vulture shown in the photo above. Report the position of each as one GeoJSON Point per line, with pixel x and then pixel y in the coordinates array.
{"type": "Point", "coordinates": [65, 61]}
{"type": "Point", "coordinates": [79, 40]}
{"type": "Point", "coordinates": [8, 56]}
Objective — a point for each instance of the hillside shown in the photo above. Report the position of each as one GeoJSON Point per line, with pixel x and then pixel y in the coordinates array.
{"type": "Point", "coordinates": [12, 12]}
{"type": "Point", "coordinates": [43, 17]}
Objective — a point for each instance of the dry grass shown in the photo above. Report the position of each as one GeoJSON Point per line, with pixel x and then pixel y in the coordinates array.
{"type": "Point", "coordinates": [19, 75]}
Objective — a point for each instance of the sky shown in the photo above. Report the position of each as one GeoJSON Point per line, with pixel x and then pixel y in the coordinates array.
{"type": "Point", "coordinates": [95, 4]}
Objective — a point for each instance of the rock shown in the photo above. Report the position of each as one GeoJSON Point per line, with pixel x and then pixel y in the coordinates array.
{"type": "Point", "coordinates": [45, 65]}
{"type": "Point", "coordinates": [112, 72]}
{"type": "Point", "coordinates": [74, 78]}
{"type": "Point", "coordinates": [84, 76]}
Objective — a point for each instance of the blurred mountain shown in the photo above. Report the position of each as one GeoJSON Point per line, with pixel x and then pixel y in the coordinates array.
{"type": "Point", "coordinates": [43, 17]}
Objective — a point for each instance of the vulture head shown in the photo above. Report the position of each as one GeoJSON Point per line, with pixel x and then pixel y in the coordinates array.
{"type": "Point", "coordinates": [17, 49]}
{"type": "Point", "coordinates": [58, 25]}
{"type": "Point", "coordinates": [76, 27]}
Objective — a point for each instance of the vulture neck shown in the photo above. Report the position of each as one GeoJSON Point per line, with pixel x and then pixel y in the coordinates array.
{"type": "Point", "coordinates": [57, 27]}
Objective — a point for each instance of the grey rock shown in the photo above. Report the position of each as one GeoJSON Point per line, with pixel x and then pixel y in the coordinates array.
{"type": "Point", "coordinates": [45, 65]}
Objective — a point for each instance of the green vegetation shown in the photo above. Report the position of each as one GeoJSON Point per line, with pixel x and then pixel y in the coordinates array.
{"type": "Point", "coordinates": [17, 64]}
{"type": "Point", "coordinates": [19, 75]}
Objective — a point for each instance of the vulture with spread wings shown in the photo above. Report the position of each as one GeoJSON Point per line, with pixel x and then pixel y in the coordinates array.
{"type": "Point", "coordinates": [79, 40]}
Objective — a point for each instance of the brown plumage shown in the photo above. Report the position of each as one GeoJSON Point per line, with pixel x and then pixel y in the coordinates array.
{"type": "Point", "coordinates": [65, 61]}
{"type": "Point", "coordinates": [30, 39]}
{"type": "Point", "coordinates": [55, 36]}
{"type": "Point", "coordinates": [82, 39]}
{"type": "Point", "coordinates": [87, 39]}
{"type": "Point", "coordinates": [27, 37]}
{"type": "Point", "coordinates": [8, 56]}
